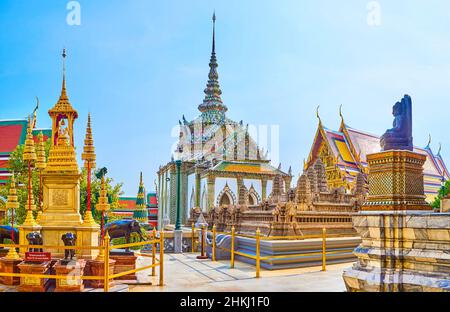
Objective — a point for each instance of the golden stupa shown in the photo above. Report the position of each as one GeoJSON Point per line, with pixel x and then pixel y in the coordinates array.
{"type": "Point", "coordinates": [61, 184]}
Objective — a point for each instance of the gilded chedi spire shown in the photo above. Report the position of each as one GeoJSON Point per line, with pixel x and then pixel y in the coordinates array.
{"type": "Point", "coordinates": [30, 206]}
{"type": "Point", "coordinates": [12, 199]}
{"type": "Point", "coordinates": [103, 204]}
{"type": "Point", "coordinates": [140, 213]}
{"type": "Point", "coordinates": [63, 104]}
{"type": "Point", "coordinates": [29, 152]}
{"type": "Point", "coordinates": [212, 108]}
{"type": "Point", "coordinates": [62, 157]}
{"type": "Point", "coordinates": [89, 150]}
{"type": "Point", "coordinates": [40, 153]}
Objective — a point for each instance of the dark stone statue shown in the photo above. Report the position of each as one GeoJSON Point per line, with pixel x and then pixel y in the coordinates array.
{"type": "Point", "coordinates": [69, 239]}
{"type": "Point", "coordinates": [123, 228]}
{"type": "Point", "coordinates": [400, 136]}
{"type": "Point", "coordinates": [5, 232]}
{"type": "Point", "coordinates": [35, 238]}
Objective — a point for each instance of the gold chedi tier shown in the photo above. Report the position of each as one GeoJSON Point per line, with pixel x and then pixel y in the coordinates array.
{"type": "Point", "coordinates": [12, 204]}
{"type": "Point", "coordinates": [396, 181]}
{"type": "Point", "coordinates": [88, 157]}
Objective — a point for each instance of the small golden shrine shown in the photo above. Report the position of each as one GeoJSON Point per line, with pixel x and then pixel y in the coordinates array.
{"type": "Point", "coordinates": [61, 184]}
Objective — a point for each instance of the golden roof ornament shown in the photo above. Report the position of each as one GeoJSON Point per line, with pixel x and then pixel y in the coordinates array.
{"type": "Point", "coordinates": [103, 204]}
{"type": "Point", "coordinates": [12, 202]}
{"type": "Point", "coordinates": [89, 150]}
{"type": "Point", "coordinates": [29, 152]}
{"type": "Point", "coordinates": [40, 153]}
{"type": "Point", "coordinates": [30, 206]}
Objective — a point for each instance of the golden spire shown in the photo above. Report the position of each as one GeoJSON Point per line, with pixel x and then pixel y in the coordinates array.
{"type": "Point", "coordinates": [12, 202]}
{"type": "Point", "coordinates": [89, 150]}
{"type": "Point", "coordinates": [103, 204]}
{"type": "Point", "coordinates": [30, 206]}
{"type": "Point", "coordinates": [40, 152]}
{"type": "Point", "coordinates": [29, 152]}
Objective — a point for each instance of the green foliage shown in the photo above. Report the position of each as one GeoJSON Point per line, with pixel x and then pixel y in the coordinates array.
{"type": "Point", "coordinates": [20, 170]}
{"type": "Point", "coordinates": [443, 192]}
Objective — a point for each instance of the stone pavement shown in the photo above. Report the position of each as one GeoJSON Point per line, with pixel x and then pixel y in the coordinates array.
{"type": "Point", "coordinates": [183, 272]}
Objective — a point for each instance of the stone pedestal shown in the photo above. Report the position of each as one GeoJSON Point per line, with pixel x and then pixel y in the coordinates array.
{"type": "Point", "coordinates": [125, 261]}
{"type": "Point", "coordinates": [401, 251]}
{"type": "Point", "coordinates": [97, 268]}
{"type": "Point", "coordinates": [178, 241]}
{"type": "Point", "coordinates": [445, 204]}
{"type": "Point", "coordinates": [404, 247]}
{"type": "Point", "coordinates": [34, 284]}
{"type": "Point", "coordinates": [9, 266]}
{"type": "Point", "coordinates": [71, 269]}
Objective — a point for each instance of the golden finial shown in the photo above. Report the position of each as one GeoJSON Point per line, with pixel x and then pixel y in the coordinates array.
{"type": "Point", "coordinates": [340, 114]}
{"type": "Point", "coordinates": [40, 153]}
{"type": "Point", "coordinates": [429, 141]}
{"type": "Point", "coordinates": [317, 114]}
{"type": "Point", "coordinates": [89, 150]}
{"type": "Point", "coordinates": [439, 150]}
{"type": "Point", "coordinates": [103, 204]}
{"type": "Point", "coordinates": [12, 202]}
{"type": "Point", "coordinates": [30, 206]}
{"type": "Point", "coordinates": [29, 152]}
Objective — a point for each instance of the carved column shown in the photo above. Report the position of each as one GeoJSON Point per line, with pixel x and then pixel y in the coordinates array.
{"type": "Point", "coordinates": [211, 189]}
{"type": "Point", "coordinates": [173, 194]}
{"type": "Point", "coordinates": [263, 189]}
{"type": "Point", "coordinates": [197, 187]}
{"type": "Point", "coordinates": [239, 182]}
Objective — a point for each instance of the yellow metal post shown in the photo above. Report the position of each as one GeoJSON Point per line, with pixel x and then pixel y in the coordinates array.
{"type": "Point", "coordinates": [161, 258]}
{"type": "Point", "coordinates": [106, 266]}
{"type": "Point", "coordinates": [214, 243]}
{"type": "Point", "coordinates": [258, 252]}
{"type": "Point", "coordinates": [193, 237]}
{"type": "Point", "coordinates": [324, 249]}
{"type": "Point", "coordinates": [232, 248]}
{"type": "Point", "coordinates": [154, 252]}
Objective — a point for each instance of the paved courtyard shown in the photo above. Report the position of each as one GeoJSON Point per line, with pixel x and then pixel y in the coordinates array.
{"type": "Point", "coordinates": [183, 272]}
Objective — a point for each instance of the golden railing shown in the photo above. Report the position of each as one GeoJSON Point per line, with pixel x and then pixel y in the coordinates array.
{"type": "Point", "coordinates": [258, 238]}
{"type": "Point", "coordinates": [105, 248]}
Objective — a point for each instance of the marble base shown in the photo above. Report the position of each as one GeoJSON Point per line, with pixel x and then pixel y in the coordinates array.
{"type": "Point", "coordinates": [34, 284]}
{"type": "Point", "coordinates": [178, 241]}
{"type": "Point", "coordinates": [9, 266]}
{"type": "Point", "coordinates": [97, 268]}
{"type": "Point", "coordinates": [71, 269]}
{"type": "Point", "coordinates": [124, 262]}
{"type": "Point", "coordinates": [401, 251]}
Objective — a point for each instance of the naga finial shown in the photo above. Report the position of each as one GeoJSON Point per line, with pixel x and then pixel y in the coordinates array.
{"type": "Point", "coordinates": [317, 114]}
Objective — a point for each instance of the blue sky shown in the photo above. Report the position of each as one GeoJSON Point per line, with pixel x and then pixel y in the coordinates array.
{"type": "Point", "coordinates": [138, 65]}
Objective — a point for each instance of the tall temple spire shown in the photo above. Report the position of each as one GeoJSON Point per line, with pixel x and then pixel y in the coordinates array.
{"type": "Point", "coordinates": [63, 89]}
{"type": "Point", "coordinates": [213, 110]}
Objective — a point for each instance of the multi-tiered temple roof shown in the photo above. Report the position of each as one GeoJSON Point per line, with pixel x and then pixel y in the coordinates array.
{"type": "Point", "coordinates": [345, 151]}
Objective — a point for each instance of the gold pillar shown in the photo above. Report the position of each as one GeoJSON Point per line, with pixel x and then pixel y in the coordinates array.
{"type": "Point", "coordinates": [263, 189]}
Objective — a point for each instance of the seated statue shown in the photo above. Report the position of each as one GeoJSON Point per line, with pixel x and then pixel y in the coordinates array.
{"type": "Point", "coordinates": [400, 136]}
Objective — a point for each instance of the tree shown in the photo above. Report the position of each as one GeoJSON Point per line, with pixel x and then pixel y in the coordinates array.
{"type": "Point", "coordinates": [20, 170]}
{"type": "Point", "coordinates": [443, 192]}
